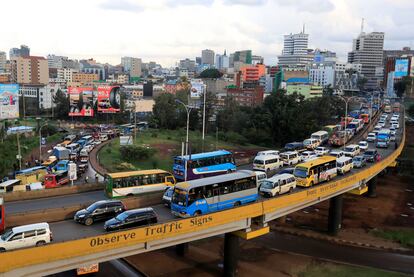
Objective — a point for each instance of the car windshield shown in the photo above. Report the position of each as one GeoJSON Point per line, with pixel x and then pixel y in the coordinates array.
{"type": "Point", "coordinates": [122, 216]}
{"type": "Point", "coordinates": [258, 162]}
{"type": "Point", "coordinates": [349, 149]}
{"type": "Point", "coordinates": [357, 159]}
{"type": "Point", "coordinates": [6, 234]}
{"type": "Point", "coordinates": [92, 207]}
{"type": "Point", "coordinates": [179, 197]}
{"type": "Point", "coordinates": [300, 172]}
{"type": "Point", "coordinates": [267, 185]}
{"type": "Point", "coordinates": [369, 152]}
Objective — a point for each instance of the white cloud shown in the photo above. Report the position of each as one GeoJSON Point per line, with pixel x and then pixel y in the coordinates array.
{"type": "Point", "coordinates": [165, 32]}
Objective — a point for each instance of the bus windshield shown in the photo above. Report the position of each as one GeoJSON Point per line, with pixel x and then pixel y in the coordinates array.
{"type": "Point", "coordinates": [300, 172]}
{"type": "Point", "coordinates": [179, 197]}
{"type": "Point", "coordinates": [178, 161]}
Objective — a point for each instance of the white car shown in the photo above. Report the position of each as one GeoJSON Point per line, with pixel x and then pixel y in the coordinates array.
{"type": "Point", "coordinates": [363, 145]}
{"type": "Point", "coordinates": [371, 137]}
{"type": "Point", "coordinates": [307, 156]}
{"type": "Point", "coordinates": [396, 125]}
{"type": "Point", "coordinates": [25, 236]}
{"type": "Point", "coordinates": [320, 151]}
{"type": "Point", "coordinates": [336, 153]}
{"type": "Point", "coordinates": [377, 128]}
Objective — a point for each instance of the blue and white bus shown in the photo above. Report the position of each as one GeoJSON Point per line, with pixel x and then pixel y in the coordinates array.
{"type": "Point", "coordinates": [203, 165]}
{"type": "Point", "coordinates": [215, 193]}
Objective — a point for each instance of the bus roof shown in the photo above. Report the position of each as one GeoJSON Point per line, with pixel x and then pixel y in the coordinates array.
{"type": "Point", "coordinates": [27, 170]}
{"type": "Point", "coordinates": [134, 173]}
{"type": "Point", "coordinates": [9, 182]}
{"type": "Point", "coordinates": [205, 155]}
{"type": "Point", "coordinates": [318, 161]}
{"type": "Point", "coordinates": [319, 133]}
{"type": "Point", "coordinates": [216, 179]}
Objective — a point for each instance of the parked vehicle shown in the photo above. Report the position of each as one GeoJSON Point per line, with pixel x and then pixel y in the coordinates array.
{"type": "Point", "coordinates": [307, 156]}
{"type": "Point", "coordinates": [396, 125]}
{"type": "Point", "coordinates": [363, 145]}
{"type": "Point", "coordinates": [287, 170]}
{"type": "Point", "coordinates": [267, 163]}
{"type": "Point", "coordinates": [356, 124]}
{"type": "Point", "coordinates": [371, 137]}
{"type": "Point", "coordinates": [311, 143]}
{"type": "Point", "coordinates": [103, 137]}
{"type": "Point", "coordinates": [56, 179]}
{"type": "Point", "coordinates": [316, 171]}
{"type": "Point", "coordinates": [290, 158]}
{"type": "Point", "coordinates": [344, 164]}
{"type": "Point", "coordinates": [260, 177]}
{"type": "Point", "coordinates": [320, 151]}
{"type": "Point", "coordinates": [62, 165]}
{"type": "Point", "coordinates": [268, 152]}
{"type": "Point", "coordinates": [294, 146]}
{"type": "Point", "coordinates": [83, 156]}
{"type": "Point", "coordinates": [352, 150]}
{"type": "Point", "coordinates": [61, 153]}
{"type": "Point", "coordinates": [336, 153]}
{"type": "Point", "coordinates": [371, 155]}
{"type": "Point", "coordinates": [166, 198]}
{"type": "Point", "coordinates": [131, 218]}
{"type": "Point", "coordinates": [9, 185]}
{"type": "Point", "coordinates": [359, 161]}
{"type": "Point", "coordinates": [25, 236]}
{"type": "Point", "coordinates": [383, 138]}
{"type": "Point", "coordinates": [278, 184]}
{"type": "Point", "coordinates": [322, 136]}
{"type": "Point", "coordinates": [101, 210]}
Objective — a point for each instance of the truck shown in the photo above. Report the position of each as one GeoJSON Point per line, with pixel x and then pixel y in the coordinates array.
{"type": "Point", "coordinates": [383, 138]}
{"type": "Point", "coordinates": [356, 124]}
{"type": "Point", "coordinates": [61, 153]}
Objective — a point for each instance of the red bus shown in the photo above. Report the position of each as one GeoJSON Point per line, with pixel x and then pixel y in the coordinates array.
{"type": "Point", "coordinates": [56, 179]}
{"type": "Point", "coordinates": [2, 225]}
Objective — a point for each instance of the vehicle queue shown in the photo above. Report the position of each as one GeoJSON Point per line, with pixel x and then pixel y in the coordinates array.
{"type": "Point", "coordinates": [199, 183]}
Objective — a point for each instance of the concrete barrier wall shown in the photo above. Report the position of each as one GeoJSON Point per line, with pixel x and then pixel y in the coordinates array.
{"type": "Point", "coordinates": [64, 213]}
{"type": "Point", "coordinates": [28, 195]}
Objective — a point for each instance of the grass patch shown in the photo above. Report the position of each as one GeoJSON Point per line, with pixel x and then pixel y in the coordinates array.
{"type": "Point", "coordinates": [329, 270]}
{"type": "Point", "coordinates": [166, 143]}
{"type": "Point", "coordinates": [403, 237]}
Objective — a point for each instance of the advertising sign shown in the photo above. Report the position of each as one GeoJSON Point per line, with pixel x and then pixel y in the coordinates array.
{"type": "Point", "coordinates": [109, 99]}
{"type": "Point", "coordinates": [72, 171]}
{"type": "Point", "coordinates": [125, 140]}
{"type": "Point", "coordinates": [401, 68]}
{"type": "Point", "coordinates": [197, 88]}
{"type": "Point", "coordinates": [81, 101]}
{"type": "Point", "coordinates": [9, 96]}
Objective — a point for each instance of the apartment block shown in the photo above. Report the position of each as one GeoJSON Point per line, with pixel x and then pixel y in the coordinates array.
{"type": "Point", "coordinates": [30, 70]}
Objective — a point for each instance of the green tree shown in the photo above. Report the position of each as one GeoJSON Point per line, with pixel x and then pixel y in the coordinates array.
{"type": "Point", "coordinates": [361, 83]}
{"type": "Point", "coordinates": [211, 73]}
{"type": "Point", "coordinates": [62, 104]}
{"type": "Point", "coordinates": [411, 110]}
{"type": "Point", "coordinates": [402, 86]}
{"type": "Point", "coordinates": [165, 111]}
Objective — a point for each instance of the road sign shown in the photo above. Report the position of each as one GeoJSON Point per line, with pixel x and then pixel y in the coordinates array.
{"type": "Point", "coordinates": [72, 172]}
{"type": "Point", "coordinates": [43, 141]}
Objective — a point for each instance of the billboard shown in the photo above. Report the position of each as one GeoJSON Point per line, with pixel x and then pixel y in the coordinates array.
{"type": "Point", "coordinates": [197, 88]}
{"type": "Point", "coordinates": [401, 68]}
{"type": "Point", "coordinates": [9, 95]}
{"type": "Point", "coordinates": [81, 101]}
{"type": "Point", "coordinates": [109, 99]}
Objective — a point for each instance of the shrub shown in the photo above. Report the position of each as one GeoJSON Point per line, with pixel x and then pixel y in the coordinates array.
{"type": "Point", "coordinates": [132, 152]}
{"type": "Point", "coordinates": [125, 166]}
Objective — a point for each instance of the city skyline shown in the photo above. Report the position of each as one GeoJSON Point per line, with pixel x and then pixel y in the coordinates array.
{"type": "Point", "coordinates": [162, 31]}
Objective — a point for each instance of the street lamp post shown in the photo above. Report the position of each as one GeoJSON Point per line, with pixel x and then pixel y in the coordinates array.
{"type": "Point", "coordinates": [40, 141]}
{"type": "Point", "coordinates": [188, 110]}
{"type": "Point", "coordinates": [346, 100]}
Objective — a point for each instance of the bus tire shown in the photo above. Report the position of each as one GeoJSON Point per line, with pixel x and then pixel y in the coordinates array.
{"type": "Point", "coordinates": [40, 243]}
{"type": "Point", "coordinates": [236, 204]}
{"type": "Point", "coordinates": [89, 221]}
{"type": "Point", "coordinates": [197, 213]}
{"type": "Point", "coordinates": [130, 195]}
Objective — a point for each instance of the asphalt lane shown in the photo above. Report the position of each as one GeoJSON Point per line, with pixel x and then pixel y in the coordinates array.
{"type": "Point", "coordinates": [340, 253]}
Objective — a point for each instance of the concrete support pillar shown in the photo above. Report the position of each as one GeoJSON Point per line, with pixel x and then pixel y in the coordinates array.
{"type": "Point", "coordinates": [335, 215]}
{"type": "Point", "coordinates": [372, 187]}
{"type": "Point", "coordinates": [181, 249]}
{"type": "Point", "coordinates": [231, 254]}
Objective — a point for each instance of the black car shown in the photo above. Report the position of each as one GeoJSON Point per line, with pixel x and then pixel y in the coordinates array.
{"type": "Point", "coordinates": [101, 210]}
{"type": "Point", "coordinates": [371, 155]}
{"type": "Point", "coordinates": [294, 146]}
{"type": "Point", "coordinates": [131, 218]}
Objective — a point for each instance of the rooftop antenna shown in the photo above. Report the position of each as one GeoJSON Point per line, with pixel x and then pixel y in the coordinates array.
{"type": "Point", "coordinates": [362, 25]}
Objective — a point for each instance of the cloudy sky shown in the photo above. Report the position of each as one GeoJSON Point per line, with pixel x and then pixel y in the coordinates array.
{"type": "Point", "coordinates": [168, 30]}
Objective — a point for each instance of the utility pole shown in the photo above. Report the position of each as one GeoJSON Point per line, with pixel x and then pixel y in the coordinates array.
{"type": "Point", "coordinates": [19, 153]}
{"type": "Point", "coordinates": [204, 115]}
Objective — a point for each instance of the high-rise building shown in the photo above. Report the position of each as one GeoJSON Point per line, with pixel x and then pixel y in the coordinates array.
{"type": "Point", "coordinates": [244, 56]}
{"type": "Point", "coordinates": [368, 50]}
{"type": "Point", "coordinates": [222, 61]}
{"type": "Point", "coordinates": [3, 61]}
{"type": "Point", "coordinates": [295, 51]}
{"type": "Point", "coordinates": [30, 70]}
{"type": "Point", "coordinates": [207, 57]}
{"type": "Point", "coordinates": [23, 51]}
{"type": "Point", "coordinates": [198, 60]}
{"type": "Point", "coordinates": [404, 59]}
{"type": "Point", "coordinates": [252, 73]}
{"type": "Point", "coordinates": [56, 61]}
{"type": "Point", "coordinates": [257, 60]}
{"type": "Point", "coordinates": [132, 65]}
{"type": "Point", "coordinates": [322, 75]}
{"type": "Point", "coordinates": [188, 64]}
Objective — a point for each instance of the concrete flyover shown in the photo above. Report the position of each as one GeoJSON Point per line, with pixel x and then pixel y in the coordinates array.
{"type": "Point", "coordinates": [248, 221]}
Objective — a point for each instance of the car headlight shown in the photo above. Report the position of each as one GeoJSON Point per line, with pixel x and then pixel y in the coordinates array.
{"type": "Point", "coordinates": [81, 216]}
